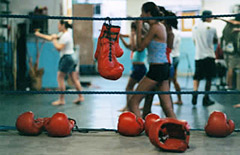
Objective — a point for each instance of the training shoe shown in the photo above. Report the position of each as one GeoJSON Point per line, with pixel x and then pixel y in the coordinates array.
{"type": "Point", "coordinates": [194, 99]}
{"type": "Point", "coordinates": [207, 101]}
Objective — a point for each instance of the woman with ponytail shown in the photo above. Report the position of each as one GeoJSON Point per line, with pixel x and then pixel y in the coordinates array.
{"type": "Point", "coordinates": [63, 42]}
{"type": "Point", "coordinates": [156, 42]}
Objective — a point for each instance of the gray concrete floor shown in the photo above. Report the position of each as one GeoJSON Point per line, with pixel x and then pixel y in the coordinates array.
{"type": "Point", "coordinates": [110, 143]}
{"type": "Point", "coordinates": [101, 111]}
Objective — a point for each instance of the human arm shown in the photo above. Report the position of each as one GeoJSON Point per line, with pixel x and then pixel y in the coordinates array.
{"type": "Point", "coordinates": [170, 37]}
{"type": "Point", "coordinates": [142, 43]}
{"type": "Point", "coordinates": [124, 42]}
{"type": "Point", "coordinates": [45, 36]}
{"type": "Point", "coordinates": [236, 30]}
{"type": "Point", "coordinates": [133, 40]}
{"type": "Point", "coordinates": [124, 35]}
{"type": "Point", "coordinates": [57, 45]}
{"type": "Point", "coordinates": [234, 22]}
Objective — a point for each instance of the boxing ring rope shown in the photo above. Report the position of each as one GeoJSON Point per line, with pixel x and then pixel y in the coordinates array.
{"type": "Point", "coordinates": [114, 18]}
{"type": "Point", "coordinates": [118, 92]}
{"type": "Point", "coordinates": [86, 130]}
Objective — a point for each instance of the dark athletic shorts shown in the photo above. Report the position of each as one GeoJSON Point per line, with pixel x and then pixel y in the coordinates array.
{"type": "Point", "coordinates": [138, 71]}
{"type": "Point", "coordinates": [66, 64]}
{"type": "Point", "coordinates": [205, 68]}
{"type": "Point", "coordinates": [158, 72]}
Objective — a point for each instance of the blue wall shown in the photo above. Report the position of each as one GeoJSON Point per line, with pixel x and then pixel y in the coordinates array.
{"type": "Point", "coordinates": [187, 54]}
{"type": "Point", "coordinates": [49, 60]}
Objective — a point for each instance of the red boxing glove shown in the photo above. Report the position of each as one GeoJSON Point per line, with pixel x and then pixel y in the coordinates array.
{"type": "Point", "coordinates": [26, 124]}
{"type": "Point", "coordinates": [170, 134]}
{"type": "Point", "coordinates": [149, 120]}
{"type": "Point", "coordinates": [168, 51]}
{"type": "Point", "coordinates": [114, 34]}
{"type": "Point", "coordinates": [59, 125]}
{"type": "Point", "coordinates": [108, 66]}
{"type": "Point", "coordinates": [218, 125]}
{"type": "Point", "coordinates": [107, 50]}
{"type": "Point", "coordinates": [130, 125]}
{"type": "Point", "coordinates": [103, 30]}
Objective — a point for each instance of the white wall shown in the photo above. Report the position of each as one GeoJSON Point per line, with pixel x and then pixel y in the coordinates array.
{"type": "Point", "coordinates": [23, 7]}
{"type": "Point", "coordinates": [110, 8]}
{"type": "Point", "coordinates": [216, 6]}
{"type": "Point", "coordinates": [133, 10]}
{"type": "Point", "coordinates": [179, 5]}
{"type": "Point", "coordinates": [123, 8]}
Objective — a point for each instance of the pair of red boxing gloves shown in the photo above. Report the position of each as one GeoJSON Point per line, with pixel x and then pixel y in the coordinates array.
{"type": "Point", "coordinates": [107, 51]}
{"type": "Point", "coordinates": [170, 134]}
{"type": "Point", "coordinates": [59, 125]}
{"type": "Point", "coordinates": [166, 133]}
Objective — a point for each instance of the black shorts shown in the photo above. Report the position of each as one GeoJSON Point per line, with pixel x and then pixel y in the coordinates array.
{"type": "Point", "coordinates": [158, 72]}
{"type": "Point", "coordinates": [205, 68]}
{"type": "Point", "coordinates": [66, 64]}
{"type": "Point", "coordinates": [138, 71]}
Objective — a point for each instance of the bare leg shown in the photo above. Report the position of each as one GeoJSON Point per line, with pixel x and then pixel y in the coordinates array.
{"type": "Point", "coordinates": [148, 104]}
{"type": "Point", "coordinates": [166, 102]}
{"type": "Point", "coordinates": [177, 88]}
{"type": "Point", "coordinates": [75, 79]}
{"type": "Point", "coordinates": [61, 85]}
{"type": "Point", "coordinates": [195, 85]}
{"type": "Point", "coordinates": [229, 78]}
{"type": "Point", "coordinates": [195, 88]}
{"type": "Point", "coordinates": [145, 84]}
{"type": "Point", "coordinates": [130, 87]}
{"type": "Point", "coordinates": [236, 106]}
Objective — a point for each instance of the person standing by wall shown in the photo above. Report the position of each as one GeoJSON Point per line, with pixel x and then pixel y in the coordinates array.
{"type": "Point", "coordinates": [204, 37]}
{"type": "Point", "coordinates": [64, 44]}
{"type": "Point", "coordinates": [230, 44]}
{"type": "Point", "coordinates": [231, 48]}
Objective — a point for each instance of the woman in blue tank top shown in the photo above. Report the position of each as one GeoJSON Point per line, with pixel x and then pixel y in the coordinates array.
{"type": "Point", "coordinates": [158, 74]}
{"type": "Point", "coordinates": [169, 24]}
{"type": "Point", "coordinates": [138, 58]}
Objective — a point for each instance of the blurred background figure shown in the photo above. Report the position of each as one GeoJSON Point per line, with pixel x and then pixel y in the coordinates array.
{"type": "Point", "coordinates": [138, 58]}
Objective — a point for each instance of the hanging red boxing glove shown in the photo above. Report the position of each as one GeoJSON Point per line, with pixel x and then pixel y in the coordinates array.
{"type": "Point", "coordinates": [103, 30]}
{"type": "Point", "coordinates": [130, 125]}
{"type": "Point", "coordinates": [114, 34]}
{"type": "Point", "coordinates": [149, 120]}
{"type": "Point", "coordinates": [170, 134]}
{"type": "Point", "coordinates": [107, 51]}
{"type": "Point", "coordinates": [27, 125]}
{"type": "Point", "coordinates": [218, 125]}
{"type": "Point", "coordinates": [108, 66]}
{"type": "Point", "coordinates": [59, 125]}
{"type": "Point", "coordinates": [115, 30]}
